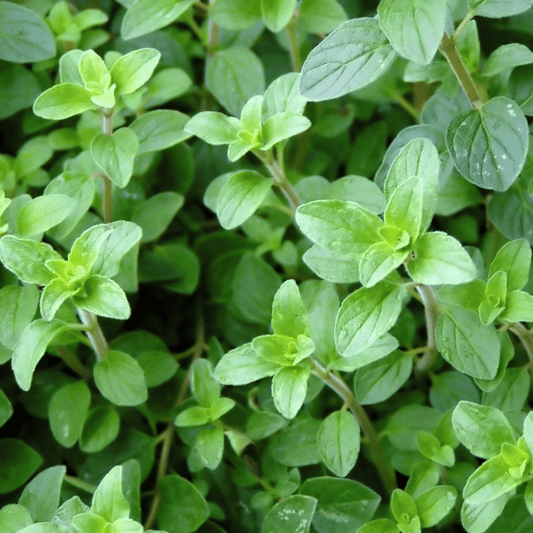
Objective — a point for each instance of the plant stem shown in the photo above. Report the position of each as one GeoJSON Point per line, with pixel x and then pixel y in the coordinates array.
{"type": "Point", "coordinates": [463, 24]}
{"type": "Point", "coordinates": [386, 472]}
{"type": "Point", "coordinates": [73, 362]}
{"type": "Point", "coordinates": [107, 206]}
{"type": "Point", "coordinates": [280, 179]}
{"type": "Point", "coordinates": [430, 306]}
{"type": "Point", "coordinates": [525, 337]}
{"type": "Point", "coordinates": [212, 34]}
{"type": "Point", "coordinates": [449, 51]}
{"type": "Point", "coordinates": [294, 45]}
{"type": "Point", "coordinates": [80, 484]}
{"type": "Point", "coordinates": [404, 104]}
{"type": "Point", "coordinates": [94, 333]}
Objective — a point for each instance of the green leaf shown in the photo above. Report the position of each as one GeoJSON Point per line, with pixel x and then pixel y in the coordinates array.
{"type": "Point", "coordinates": [115, 154]}
{"type": "Point", "coordinates": [89, 522]}
{"type": "Point", "coordinates": [193, 416]}
{"type": "Point", "coordinates": [331, 267]}
{"type": "Point", "coordinates": [204, 386]}
{"type": "Point", "coordinates": [321, 15]}
{"type": "Point", "coordinates": [343, 504]}
{"type": "Point", "coordinates": [41, 495]}
{"type": "Point", "coordinates": [183, 509]}
{"type": "Point", "coordinates": [289, 515]}
{"type": "Point", "coordinates": [381, 525]}
{"type": "Point", "coordinates": [233, 76]}
{"type": "Point", "coordinates": [441, 260]}
{"type": "Point", "coordinates": [282, 350]}
{"type": "Point", "coordinates": [154, 215]}
{"type": "Point", "coordinates": [67, 411]}
{"type": "Point", "coordinates": [490, 481]}
{"type": "Point", "coordinates": [19, 464]}
{"type": "Point", "coordinates": [365, 316]}
{"type": "Point", "coordinates": [95, 76]}
{"type": "Point", "coordinates": [413, 27]}
{"type": "Point", "coordinates": [210, 447]}
{"type": "Point", "coordinates": [507, 57]}
{"type": "Point", "coordinates": [17, 309]}
{"type": "Point", "coordinates": [243, 365]}
{"type": "Point", "coordinates": [499, 8]}
{"type": "Point", "coordinates": [404, 510]}
{"type": "Point", "coordinates": [482, 429]}
{"type": "Point", "coordinates": [341, 227]}
{"type": "Point", "coordinates": [277, 13]}
{"type": "Point", "coordinates": [513, 258]}
{"type": "Point", "coordinates": [147, 16]}
{"type": "Point", "coordinates": [108, 500]}
{"type": "Point", "coordinates": [520, 88]}
{"type": "Point", "coordinates": [160, 129]}
{"type": "Point", "coordinates": [236, 14]}
{"type": "Point", "coordinates": [489, 145]}
{"type": "Point", "coordinates": [240, 197]}
{"type": "Point", "coordinates": [100, 429]}
{"type": "Point", "coordinates": [339, 442]}
{"type": "Point", "coordinates": [19, 89]}
{"type": "Point", "coordinates": [43, 213]}
{"type": "Point", "coordinates": [62, 101]}
{"type": "Point", "coordinates": [304, 431]}
{"type": "Point", "coordinates": [477, 518]}
{"type": "Point", "coordinates": [214, 127]}
{"type": "Point", "coordinates": [31, 347]}
{"type": "Point", "coordinates": [24, 36]}
{"type": "Point", "coordinates": [432, 448]}
{"type": "Point", "coordinates": [289, 387]}
{"type": "Point", "coordinates": [103, 297]}
{"type": "Point", "coordinates": [378, 381]}
{"type": "Point", "coordinates": [435, 504]}
{"type": "Point", "coordinates": [467, 345]}
{"type": "Point", "coordinates": [282, 95]}
{"type": "Point", "coordinates": [289, 315]}
{"type": "Point", "coordinates": [120, 379]}
{"type": "Point", "coordinates": [349, 58]}
{"type": "Point", "coordinates": [282, 126]}
{"type": "Point", "coordinates": [6, 409]}
{"type": "Point", "coordinates": [133, 70]}
{"type": "Point", "coordinates": [86, 247]}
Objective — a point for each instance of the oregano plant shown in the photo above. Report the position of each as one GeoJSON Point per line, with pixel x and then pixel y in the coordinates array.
{"type": "Point", "coordinates": [265, 266]}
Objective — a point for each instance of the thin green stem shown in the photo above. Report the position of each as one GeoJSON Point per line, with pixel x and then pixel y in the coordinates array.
{"type": "Point", "coordinates": [386, 472]}
{"type": "Point", "coordinates": [280, 179]}
{"type": "Point", "coordinates": [94, 333]}
{"type": "Point", "coordinates": [107, 206]}
{"type": "Point", "coordinates": [80, 484]}
{"type": "Point", "coordinates": [525, 337]}
{"type": "Point", "coordinates": [431, 309]}
{"type": "Point", "coordinates": [449, 50]}
{"type": "Point", "coordinates": [463, 24]}
{"type": "Point", "coordinates": [73, 362]}
{"type": "Point", "coordinates": [294, 45]}
{"type": "Point", "coordinates": [212, 34]}
{"type": "Point", "coordinates": [404, 104]}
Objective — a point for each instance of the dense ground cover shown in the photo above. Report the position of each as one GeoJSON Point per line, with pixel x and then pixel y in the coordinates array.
{"type": "Point", "coordinates": [266, 266]}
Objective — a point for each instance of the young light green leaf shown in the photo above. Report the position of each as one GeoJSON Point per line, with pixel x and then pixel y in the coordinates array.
{"type": "Point", "coordinates": [283, 126]}
{"type": "Point", "coordinates": [214, 127]}
{"type": "Point", "coordinates": [19, 464]}
{"type": "Point", "coordinates": [26, 259]}
{"type": "Point", "coordinates": [507, 57]}
{"type": "Point", "coordinates": [31, 347]}
{"type": "Point", "coordinates": [243, 365]}
{"type": "Point", "coordinates": [54, 294]}
{"type": "Point", "coordinates": [413, 27]}
{"type": "Point", "coordinates": [115, 154]}
{"type": "Point", "coordinates": [499, 8]}
{"type": "Point", "coordinates": [277, 13]}
{"type": "Point", "coordinates": [43, 213]}
{"type": "Point", "coordinates": [103, 297]}
{"type": "Point", "coordinates": [67, 411]}
{"type": "Point", "coordinates": [289, 387]}
{"type": "Point", "coordinates": [240, 197]}
{"type": "Point", "coordinates": [378, 381]}
{"type": "Point", "coordinates": [289, 515]}
{"type": "Point", "coordinates": [160, 129]}
{"type": "Point", "coordinates": [366, 315]}
{"type": "Point", "coordinates": [477, 518]}
{"type": "Point", "coordinates": [330, 266]}
{"type": "Point", "coordinates": [435, 504]}
{"type": "Point", "coordinates": [339, 439]}
{"type": "Point", "coordinates": [108, 500]}
{"type": "Point", "coordinates": [467, 345]}
{"type": "Point", "coordinates": [94, 73]}
{"type": "Point", "coordinates": [441, 260]}
{"type": "Point", "coordinates": [489, 145]}
{"type": "Point", "coordinates": [349, 58]}
{"type": "Point", "coordinates": [63, 101]}
{"type": "Point", "coordinates": [341, 227]}
{"type": "Point", "coordinates": [233, 76]}
{"type": "Point", "coordinates": [236, 14]}
{"type": "Point", "coordinates": [147, 16]}
{"type": "Point", "coordinates": [120, 379]}
{"type": "Point", "coordinates": [282, 95]}
{"type": "Point", "coordinates": [379, 261]}
{"type": "Point", "coordinates": [514, 258]}
{"type": "Point", "coordinates": [204, 386]}
{"type": "Point", "coordinates": [24, 35]}
{"type": "Point", "coordinates": [210, 446]}
{"type": "Point", "coordinates": [404, 510]}
{"type": "Point", "coordinates": [133, 70]}
{"type": "Point", "coordinates": [289, 315]}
